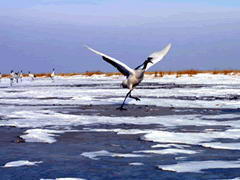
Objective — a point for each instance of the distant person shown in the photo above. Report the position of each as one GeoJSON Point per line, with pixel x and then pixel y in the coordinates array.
{"type": "Point", "coordinates": [12, 75]}
{"type": "Point", "coordinates": [52, 75]}
{"type": "Point", "coordinates": [32, 76]}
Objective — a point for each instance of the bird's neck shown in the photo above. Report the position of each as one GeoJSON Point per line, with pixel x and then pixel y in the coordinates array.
{"type": "Point", "coordinates": [146, 63]}
{"type": "Point", "coordinates": [145, 66]}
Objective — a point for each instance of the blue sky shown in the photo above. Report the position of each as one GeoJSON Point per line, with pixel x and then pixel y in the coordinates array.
{"type": "Point", "coordinates": [38, 35]}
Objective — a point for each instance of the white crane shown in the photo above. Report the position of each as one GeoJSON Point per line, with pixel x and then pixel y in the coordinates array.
{"type": "Point", "coordinates": [52, 75]}
{"type": "Point", "coordinates": [134, 76]}
{"type": "Point", "coordinates": [12, 76]}
{"type": "Point", "coordinates": [21, 75]}
{"type": "Point", "coordinates": [16, 76]}
{"type": "Point", "coordinates": [31, 75]}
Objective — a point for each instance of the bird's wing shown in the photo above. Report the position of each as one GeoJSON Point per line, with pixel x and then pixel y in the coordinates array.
{"type": "Point", "coordinates": [158, 56]}
{"type": "Point", "coordinates": [123, 68]}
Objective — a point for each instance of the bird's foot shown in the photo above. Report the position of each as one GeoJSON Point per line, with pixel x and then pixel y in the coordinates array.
{"type": "Point", "coordinates": [136, 98]}
{"type": "Point", "coordinates": [121, 108]}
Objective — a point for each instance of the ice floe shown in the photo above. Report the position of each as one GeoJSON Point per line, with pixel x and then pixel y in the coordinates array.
{"type": "Point", "coordinates": [190, 138]}
{"type": "Point", "coordinates": [21, 163]}
{"type": "Point", "coordinates": [40, 135]}
{"type": "Point", "coordinates": [169, 145]}
{"type": "Point", "coordinates": [95, 154]}
{"type": "Point", "coordinates": [198, 166]}
{"type": "Point", "coordinates": [67, 178]}
{"type": "Point", "coordinates": [220, 145]}
{"type": "Point", "coordinates": [168, 151]}
{"type": "Point", "coordinates": [136, 164]}
{"type": "Point", "coordinates": [41, 118]}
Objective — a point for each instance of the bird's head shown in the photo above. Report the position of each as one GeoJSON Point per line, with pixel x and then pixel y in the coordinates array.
{"type": "Point", "coordinates": [149, 60]}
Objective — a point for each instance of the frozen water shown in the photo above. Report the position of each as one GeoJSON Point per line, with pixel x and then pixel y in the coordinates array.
{"type": "Point", "coordinates": [220, 145]}
{"type": "Point", "coordinates": [136, 164]}
{"type": "Point", "coordinates": [191, 138]}
{"type": "Point", "coordinates": [37, 106]}
{"type": "Point", "coordinates": [95, 154]}
{"type": "Point", "coordinates": [198, 166]}
{"type": "Point", "coordinates": [21, 163]}
{"type": "Point", "coordinates": [168, 151]}
{"type": "Point", "coordinates": [40, 135]}
{"type": "Point", "coordinates": [67, 178]}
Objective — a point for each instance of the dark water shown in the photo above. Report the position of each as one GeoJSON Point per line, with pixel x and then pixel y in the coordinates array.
{"type": "Point", "coordinates": [64, 159]}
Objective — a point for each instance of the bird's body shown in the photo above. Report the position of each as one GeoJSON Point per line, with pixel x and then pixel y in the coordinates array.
{"type": "Point", "coordinates": [134, 76]}
{"type": "Point", "coordinates": [134, 79]}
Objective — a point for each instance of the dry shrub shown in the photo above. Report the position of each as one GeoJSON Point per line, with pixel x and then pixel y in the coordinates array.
{"type": "Point", "coordinates": [43, 75]}
{"type": "Point", "coordinates": [68, 74]}
{"type": "Point", "coordinates": [193, 72]}
{"type": "Point", "coordinates": [190, 73]}
{"type": "Point", "coordinates": [92, 73]}
{"type": "Point", "coordinates": [112, 74]}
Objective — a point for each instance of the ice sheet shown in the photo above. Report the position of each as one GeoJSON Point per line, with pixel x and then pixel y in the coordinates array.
{"type": "Point", "coordinates": [95, 154]}
{"type": "Point", "coordinates": [28, 105]}
{"type": "Point", "coordinates": [198, 166]}
{"type": "Point", "coordinates": [41, 135]}
{"type": "Point", "coordinates": [167, 151]}
{"type": "Point", "coordinates": [21, 163]}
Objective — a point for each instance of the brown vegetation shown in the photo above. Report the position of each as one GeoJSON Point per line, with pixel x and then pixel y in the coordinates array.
{"type": "Point", "coordinates": [189, 73]}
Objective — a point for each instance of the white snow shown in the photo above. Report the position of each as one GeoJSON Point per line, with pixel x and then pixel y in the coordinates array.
{"type": "Point", "coordinates": [219, 145]}
{"type": "Point", "coordinates": [31, 91]}
{"type": "Point", "coordinates": [28, 105]}
{"type": "Point", "coordinates": [66, 178]}
{"type": "Point", "coordinates": [70, 178]}
{"type": "Point", "coordinates": [40, 135]}
{"type": "Point", "coordinates": [21, 163]}
{"type": "Point", "coordinates": [168, 151]}
{"type": "Point", "coordinates": [190, 138]}
{"type": "Point", "coordinates": [136, 164]}
{"type": "Point", "coordinates": [169, 145]}
{"type": "Point", "coordinates": [198, 166]}
{"type": "Point", "coordinates": [95, 154]}
{"type": "Point", "coordinates": [41, 118]}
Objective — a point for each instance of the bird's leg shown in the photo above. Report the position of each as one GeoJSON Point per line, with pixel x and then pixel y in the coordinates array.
{"type": "Point", "coordinates": [52, 79]}
{"type": "Point", "coordinates": [134, 97]}
{"type": "Point", "coordinates": [121, 107]}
